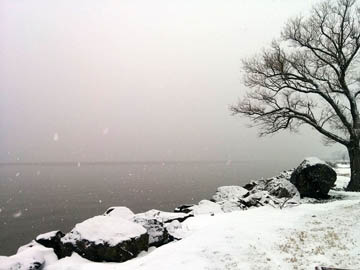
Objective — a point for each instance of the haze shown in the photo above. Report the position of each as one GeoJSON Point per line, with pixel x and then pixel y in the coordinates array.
{"type": "Point", "coordinates": [136, 80]}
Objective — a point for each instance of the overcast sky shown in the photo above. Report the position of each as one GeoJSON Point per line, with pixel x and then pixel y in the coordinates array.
{"type": "Point", "coordinates": [136, 80]}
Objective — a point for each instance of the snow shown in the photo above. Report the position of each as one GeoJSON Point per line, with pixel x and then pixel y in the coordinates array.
{"type": "Point", "coordinates": [262, 238]}
{"type": "Point", "coordinates": [47, 235]}
{"type": "Point", "coordinates": [56, 137]}
{"type": "Point", "coordinates": [206, 207]}
{"type": "Point", "coordinates": [17, 214]}
{"type": "Point", "coordinates": [160, 215]}
{"type": "Point", "coordinates": [104, 229]}
{"type": "Point", "coordinates": [311, 161]}
{"type": "Point", "coordinates": [230, 193]}
{"type": "Point", "coordinates": [105, 131]}
{"type": "Point", "coordinates": [28, 256]}
{"type": "Point", "coordinates": [120, 211]}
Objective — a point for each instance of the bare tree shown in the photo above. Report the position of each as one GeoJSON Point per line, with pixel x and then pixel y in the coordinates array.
{"type": "Point", "coordinates": [310, 75]}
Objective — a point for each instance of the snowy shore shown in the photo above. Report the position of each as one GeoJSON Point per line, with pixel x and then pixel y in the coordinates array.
{"type": "Point", "coordinates": [300, 237]}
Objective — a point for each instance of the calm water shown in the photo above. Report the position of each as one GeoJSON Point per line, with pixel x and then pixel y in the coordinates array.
{"type": "Point", "coordinates": [39, 198]}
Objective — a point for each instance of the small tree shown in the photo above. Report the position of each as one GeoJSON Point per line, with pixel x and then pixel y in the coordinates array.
{"type": "Point", "coordinates": [310, 76]}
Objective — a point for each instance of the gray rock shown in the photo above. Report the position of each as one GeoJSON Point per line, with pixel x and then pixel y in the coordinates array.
{"type": "Point", "coordinates": [158, 234]}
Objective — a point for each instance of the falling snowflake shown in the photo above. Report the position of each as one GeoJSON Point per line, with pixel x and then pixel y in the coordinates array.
{"type": "Point", "coordinates": [78, 164]}
{"type": "Point", "coordinates": [105, 131]}
{"type": "Point", "coordinates": [100, 201]}
{"type": "Point", "coordinates": [17, 174]}
{"type": "Point", "coordinates": [17, 214]}
{"type": "Point", "coordinates": [56, 137]}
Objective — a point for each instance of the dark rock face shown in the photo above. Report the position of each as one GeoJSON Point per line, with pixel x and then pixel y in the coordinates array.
{"type": "Point", "coordinates": [53, 240]}
{"type": "Point", "coordinates": [104, 252]}
{"type": "Point", "coordinates": [313, 178]}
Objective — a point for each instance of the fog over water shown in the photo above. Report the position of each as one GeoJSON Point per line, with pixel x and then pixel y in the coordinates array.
{"type": "Point", "coordinates": [136, 80]}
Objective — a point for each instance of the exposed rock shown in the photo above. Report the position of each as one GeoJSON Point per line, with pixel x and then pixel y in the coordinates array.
{"type": "Point", "coordinates": [53, 240]}
{"type": "Point", "coordinates": [183, 208]}
{"type": "Point", "coordinates": [313, 178]}
{"type": "Point", "coordinates": [164, 217]}
{"type": "Point", "coordinates": [276, 186]}
{"type": "Point", "coordinates": [29, 257]}
{"type": "Point", "coordinates": [107, 238]}
{"type": "Point", "coordinates": [158, 235]}
{"type": "Point", "coordinates": [156, 222]}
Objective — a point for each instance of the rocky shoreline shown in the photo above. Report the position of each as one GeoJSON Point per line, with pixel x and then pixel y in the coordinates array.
{"type": "Point", "coordinates": [120, 235]}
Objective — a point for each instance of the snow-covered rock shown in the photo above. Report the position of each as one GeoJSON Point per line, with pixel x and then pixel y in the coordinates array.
{"type": "Point", "coordinates": [29, 257]}
{"type": "Point", "coordinates": [206, 207]}
{"type": "Point", "coordinates": [164, 217]}
{"type": "Point", "coordinates": [313, 178]}
{"type": "Point", "coordinates": [276, 186]}
{"type": "Point", "coordinates": [177, 230]}
{"type": "Point", "coordinates": [156, 222]}
{"type": "Point", "coordinates": [53, 240]}
{"type": "Point", "coordinates": [230, 193]}
{"type": "Point", "coordinates": [158, 235]}
{"type": "Point", "coordinates": [107, 238]}
{"type": "Point", "coordinates": [120, 211]}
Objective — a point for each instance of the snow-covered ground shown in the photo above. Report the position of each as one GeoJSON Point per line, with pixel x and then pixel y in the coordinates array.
{"type": "Point", "coordinates": [301, 237]}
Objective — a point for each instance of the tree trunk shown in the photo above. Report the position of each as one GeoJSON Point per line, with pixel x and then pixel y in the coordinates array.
{"type": "Point", "coordinates": [354, 155]}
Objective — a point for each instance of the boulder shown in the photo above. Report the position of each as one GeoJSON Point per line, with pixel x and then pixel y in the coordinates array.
{"type": "Point", "coordinates": [158, 234]}
{"type": "Point", "coordinates": [107, 238]}
{"type": "Point", "coordinates": [313, 178]}
{"type": "Point", "coordinates": [53, 240]}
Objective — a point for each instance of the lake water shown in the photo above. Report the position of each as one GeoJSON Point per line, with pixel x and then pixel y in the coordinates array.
{"type": "Point", "coordinates": [38, 198]}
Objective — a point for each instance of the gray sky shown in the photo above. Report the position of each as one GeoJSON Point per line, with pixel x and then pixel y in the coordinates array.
{"type": "Point", "coordinates": [136, 80]}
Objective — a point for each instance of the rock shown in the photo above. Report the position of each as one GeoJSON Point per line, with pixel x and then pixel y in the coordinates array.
{"type": "Point", "coordinates": [282, 188]}
{"type": "Point", "coordinates": [164, 217]}
{"type": "Point", "coordinates": [53, 240]}
{"type": "Point", "coordinates": [183, 208]}
{"type": "Point", "coordinates": [158, 234]}
{"type": "Point", "coordinates": [206, 207]}
{"type": "Point", "coordinates": [228, 197]}
{"type": "Point", "coordinates": [276, 186]}
{"type": "Point", "coordinates": [107, 238]}
{"type": "Point", "coordinates": [29, 257]}
{"type": "Point", "coordinates": [313, 178]}
{"type": "Point", "coordinates": [176, 230]}
{"type": "Point", "coordinates": [229, 206]}
{"type": "Point", "coordinates": [229, 193]}
{"type": "Point", "coordinates": [120, 211]}
{"type": "Point", "coordinates": [277, 191]}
